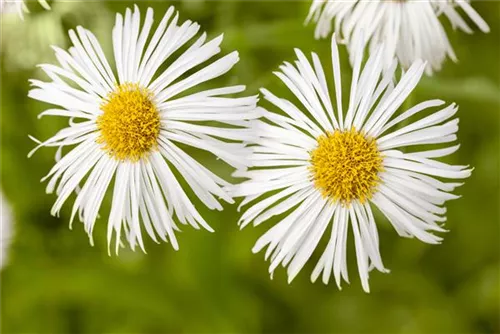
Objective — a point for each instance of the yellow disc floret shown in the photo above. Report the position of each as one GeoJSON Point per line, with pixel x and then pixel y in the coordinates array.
{"type": "Point", "coordinates": [130, 124]}
{"type": "Point", "coordinates": [345, 166]}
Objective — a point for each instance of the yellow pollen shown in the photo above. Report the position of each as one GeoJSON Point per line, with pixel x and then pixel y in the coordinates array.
{"type": "Point", "coordinates": [129, 124]}
{"type": "Point", "coordinates": [345, 166]}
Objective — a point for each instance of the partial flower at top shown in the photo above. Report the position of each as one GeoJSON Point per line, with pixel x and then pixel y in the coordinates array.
{"type": "Point", "coordinates": [410, 29]}
{"type": "Point", "coordinates": [133, 127]}
{"type": "Point", "coordinates": [6, 230]}
{"type": "Point", "coordinates": [19, 6]}
{"type": "Point", "coordinates": [25, 44]}
{"type": "Point", "coordinates": [324, 165]}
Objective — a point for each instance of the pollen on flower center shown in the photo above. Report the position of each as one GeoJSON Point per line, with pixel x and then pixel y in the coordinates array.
{"type": "Point", "coordinates": [345, 166]}
{"type": "Point", "coordinates": [130, 124]}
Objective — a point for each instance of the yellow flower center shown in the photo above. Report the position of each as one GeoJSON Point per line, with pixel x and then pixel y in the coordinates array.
{"type": "Point", "coordinates": [129, 124]}
{"type": "Point", "coordinates": [345, 166]}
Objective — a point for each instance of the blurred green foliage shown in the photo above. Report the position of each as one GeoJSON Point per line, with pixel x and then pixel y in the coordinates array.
{"type": "Point", "coordinates": [56, 282]}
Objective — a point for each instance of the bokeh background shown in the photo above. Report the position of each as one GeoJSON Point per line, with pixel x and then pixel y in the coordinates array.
{"type": "Point", "coordinates": [55, 282]}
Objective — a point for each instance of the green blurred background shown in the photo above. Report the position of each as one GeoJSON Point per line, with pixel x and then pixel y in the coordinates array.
{"type": "Point", "coordinates": [55, 282]}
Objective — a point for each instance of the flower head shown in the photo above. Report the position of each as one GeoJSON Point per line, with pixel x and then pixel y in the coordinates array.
{"type": "Point", "coordinates": [320, 166]}
{"type": "Point", "coordinates": [133, 126]}
{"type": "Point", "coordinates": [410, 29]}
{"type": "Point", "coordinates": [19, 6]}
{"type": "Point", "coordinates": [6, 230]}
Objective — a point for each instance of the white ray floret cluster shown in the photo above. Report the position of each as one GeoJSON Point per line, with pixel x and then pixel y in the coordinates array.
{"type": "Point", "coordinates": [410, 29]}
{"type": "Point", "coordinates": [19, 6]}
{"type": "Point", "coordinates": [126, 129]}
{"type": "Point", "coordinates": [321, 167]}
{"type": "Point", "coordinates": [6, 225]}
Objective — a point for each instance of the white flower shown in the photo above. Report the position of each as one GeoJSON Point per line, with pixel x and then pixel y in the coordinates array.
{"type": "Point", "coordinates": [410, 29]}
{"type": "Point", "coordinates": [6, 230]}
{"type": "Point", "coordinates": [131, 126]}
{"type": "Point", "coordinates": [318, 168]}
{"type": "Point", "coordinates": [19, 6]}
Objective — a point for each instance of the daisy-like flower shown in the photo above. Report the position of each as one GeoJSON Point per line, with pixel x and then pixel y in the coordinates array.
{"type": "Point", "coordinates": [410, 29]}
{"type": "Point", "coordinates": [19, 6]}
{"type": "Point", "coordinates": [132, 128]}
{"type": "Point", "coordinates": [322, 170]}
{"type": "Point", "coordinates": [6, 230]}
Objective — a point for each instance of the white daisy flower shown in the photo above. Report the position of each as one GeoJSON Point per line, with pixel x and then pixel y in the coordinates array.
{"type": "Point", "coordinates": [7, 6]}
{"type": "Point", "coordinates": [410, 29]}
{"type": "Point", "coordinates": [318, 168]}
{"type": "Point", "coordinates": [6, 230]}
{"type": "Point", "coordinates": [133, 127]}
